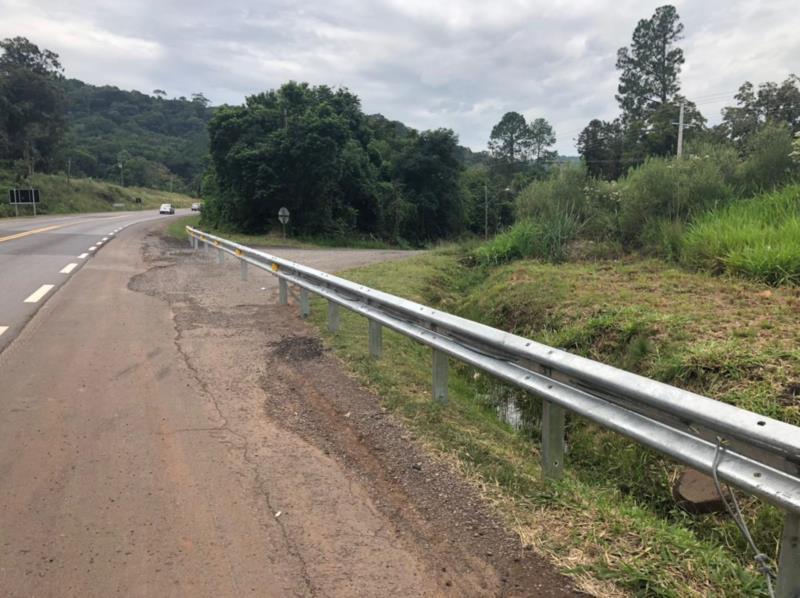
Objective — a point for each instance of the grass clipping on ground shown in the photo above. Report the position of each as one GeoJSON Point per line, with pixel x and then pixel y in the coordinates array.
{"type": "Point", "coordinates": [611, 523]}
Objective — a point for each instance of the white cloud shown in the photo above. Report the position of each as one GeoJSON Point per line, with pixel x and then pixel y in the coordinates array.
{"type": "Point", "coordinates": [452, 63]}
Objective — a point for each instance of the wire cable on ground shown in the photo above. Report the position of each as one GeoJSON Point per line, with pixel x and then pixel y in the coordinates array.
{"type": "Point", "coordinates": [761, 559]}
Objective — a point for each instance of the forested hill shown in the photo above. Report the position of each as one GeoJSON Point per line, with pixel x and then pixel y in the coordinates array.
{"type": "Point", "coordinates": [153, 137]}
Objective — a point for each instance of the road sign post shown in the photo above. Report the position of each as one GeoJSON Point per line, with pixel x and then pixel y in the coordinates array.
{"type": "Point", "coordinates": [283, 217]}
{"type": "Point", "coordinates": [23, 196]}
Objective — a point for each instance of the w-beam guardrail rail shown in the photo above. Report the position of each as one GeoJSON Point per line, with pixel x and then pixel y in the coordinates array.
{"type": "Point", "coordinates": [757, 454]}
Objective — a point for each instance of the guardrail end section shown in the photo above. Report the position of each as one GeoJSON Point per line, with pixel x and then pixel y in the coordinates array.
{"type": "Point", "coordinates": [440, 376]}
{"type": "Point", "coordinates": [553, 417]}
{"type": "Point", "coordinates": [375, 339]}
{"type": "Point", "coordinates": [789, 559]}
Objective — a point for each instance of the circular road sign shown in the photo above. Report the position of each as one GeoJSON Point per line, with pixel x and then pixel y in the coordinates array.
{"type": "Point", "coordinates": [283, 215]}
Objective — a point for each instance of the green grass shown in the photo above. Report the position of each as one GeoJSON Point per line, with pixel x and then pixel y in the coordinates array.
{"type": "Point", "coordinates": [758, 238]}
{"type": "Point", "coordinates": [84, 195]}
{"type": "Point", "coordinates": [611, 522]}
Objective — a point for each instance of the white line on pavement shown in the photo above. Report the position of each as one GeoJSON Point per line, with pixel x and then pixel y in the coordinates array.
{"type": "Point", "coordinates": [3, 329]}
{"type": "Point", "coordinates": [41, 292]}
{"type": "Point", "coordinates": [92, 248]}
{"type": "Point", "coordinates": [68, 268]}
{"type": "Point", "coordinates": [105, 239]}
{"type": "Point", "coordinates": [82, 256]}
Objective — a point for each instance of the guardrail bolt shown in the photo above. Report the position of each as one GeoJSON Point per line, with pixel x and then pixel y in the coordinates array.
{"type": "Point", "coordinates": [333, 317]}
{"type": "Point", "coordinates": [789, 559]}
{"type": "Point", "coordinates": [305, 307]}
{"type": "Point", "coordinates": [440, 365]}
{"type": "Point", "coordinates": [552, 440]}
{"type": "Point", "coordinates": [375, 339]}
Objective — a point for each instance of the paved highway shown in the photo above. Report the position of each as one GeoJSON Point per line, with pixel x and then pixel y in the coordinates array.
{"type": "Point", "coordinates": [38, 254]}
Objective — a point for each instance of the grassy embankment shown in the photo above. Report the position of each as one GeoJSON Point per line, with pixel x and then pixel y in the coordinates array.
{"type": "Point", "coordinates": [612, 522]}
{"type": "Point", "coordinates": [757, 238]}
{"type": "Point", "coordinates": [84, 195]}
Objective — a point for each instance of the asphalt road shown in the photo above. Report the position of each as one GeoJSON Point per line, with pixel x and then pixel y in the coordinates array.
{"type": "Point", "coordinates": [38, 254]}
{"type": "Point", "coordinates": [168, 429]}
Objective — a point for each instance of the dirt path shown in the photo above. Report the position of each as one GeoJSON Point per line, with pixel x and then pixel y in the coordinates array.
{"type": "Point", "coordinates": [168, 430]}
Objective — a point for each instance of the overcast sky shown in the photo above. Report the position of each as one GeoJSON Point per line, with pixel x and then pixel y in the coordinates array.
{"type": "Point", "coordinates": [429, 63]}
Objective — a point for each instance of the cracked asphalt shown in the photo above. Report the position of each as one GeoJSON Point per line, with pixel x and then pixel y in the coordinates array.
{"type": "Point", "coordinates": [167, 429]}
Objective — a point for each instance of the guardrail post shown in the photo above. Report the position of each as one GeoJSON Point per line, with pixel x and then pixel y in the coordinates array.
{"type": "Point", "coordinates": [440, 376]}
{"type": "Point", "coordinates": [552, 440]}
{"type": "Point", "coordinates": [789, 559]}
{"type": "Point", "coordinates": [375, 340]}
{"type": "Point", "coordinates": [333, 317]}
{"type": "Point", "coordinates": [305, 307]}
{"type": "Point", "coordinates": [283, 292]}
{"type": "Point", "coordinates": [220, 255]}
{"type": "Point", "coordinates": [243, 269]}
{"type": "Point", "coordinates": [205, 247]}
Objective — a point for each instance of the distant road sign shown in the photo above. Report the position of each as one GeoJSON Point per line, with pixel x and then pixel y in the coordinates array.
{"type": "Point", "coordinates": [283, 215]}
{"type": "Point", "coordinates": [16, 196]}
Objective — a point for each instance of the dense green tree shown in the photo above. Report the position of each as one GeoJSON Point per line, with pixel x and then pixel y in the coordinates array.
{"type": "Point", "coordinates": [651, 66]}
{"type": "Point", "coordinates": [428, 175]}
{"type": "Point", "coordinates": [509, 141]}
{"type": "Point", "coordinates": [312, 150]}
{"type": "Point", "coordinates": [600, 145]}
{"type": "Point", "coordinates": [32, 115]}
{"type": "Point", "coordinates": [541, 138]}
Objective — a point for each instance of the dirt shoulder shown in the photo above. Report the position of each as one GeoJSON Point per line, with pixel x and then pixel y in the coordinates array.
{"type": "Point", "coordinates": [363, 506]}
{"type": "Point", "coordinates": [167, 429]}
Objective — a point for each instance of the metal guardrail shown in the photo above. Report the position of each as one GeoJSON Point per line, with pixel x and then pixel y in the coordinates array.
{"type": "Point", "coordinates": [757, 454]}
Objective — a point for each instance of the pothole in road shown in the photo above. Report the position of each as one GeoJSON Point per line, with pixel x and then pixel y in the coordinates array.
{"type": "Point", "coordinates": [298, 348]}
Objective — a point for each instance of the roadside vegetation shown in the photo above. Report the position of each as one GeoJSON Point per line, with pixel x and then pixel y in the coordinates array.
{"type": "Point", "coordinates": [612, 522]}
{"type": "Point", "coordinates": [84, 195]}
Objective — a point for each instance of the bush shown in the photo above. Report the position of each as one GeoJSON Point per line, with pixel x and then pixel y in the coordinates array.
{"type": "Point", "coordinates": [758, 238]}
{"type": "Point", "coordinates": [768, 163]}
{"type": "Point", "coordinates": [673, 190]}
{"type": "Point", "coordinates": [569, 193]}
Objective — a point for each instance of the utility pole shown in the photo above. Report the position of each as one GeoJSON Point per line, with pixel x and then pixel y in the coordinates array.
{"type": "Point", "coordinates": [680, 130]}
{"type": "Point", "coordinates": [121, 175]}
{"type": "Point", "coordinates": [69, 168]}
{"type": "Point", "coordinates": [485, 212]}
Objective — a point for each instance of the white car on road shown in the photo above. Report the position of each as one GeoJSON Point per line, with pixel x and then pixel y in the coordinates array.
{"type": "Point", "coordinates": [166, 208]}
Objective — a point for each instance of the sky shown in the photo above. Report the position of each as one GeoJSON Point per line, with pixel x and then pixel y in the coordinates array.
{"type": "Point", "coordinates": [459, 64]}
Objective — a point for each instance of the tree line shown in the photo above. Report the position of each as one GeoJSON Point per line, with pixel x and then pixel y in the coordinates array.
{"type": "Point", "coordinates": [53, 124]}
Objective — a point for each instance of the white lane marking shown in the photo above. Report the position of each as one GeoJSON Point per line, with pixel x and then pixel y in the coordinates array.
{"type": "Point", "coordinates": [41, 292]}
{"type": "Point", "coordinates": [92, 248]}
{"type": "Point", "coordinates": [68, 268]}
{"type": "Point", "coordinates": [82, 256]}
{"type": "Point", "coordinates": [3, 329]}
{"type": "Point", "coordinates": [105, 239]}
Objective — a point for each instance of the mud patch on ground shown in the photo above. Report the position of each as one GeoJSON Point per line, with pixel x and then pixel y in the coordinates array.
{"type": "Point", "coordinates": [298, 348]}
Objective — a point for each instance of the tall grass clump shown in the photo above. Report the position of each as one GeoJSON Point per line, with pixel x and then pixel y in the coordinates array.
{"type": "Point", "coordinates": [757, 238]}
{"type": "Point", "coordinates": [545, 239]}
